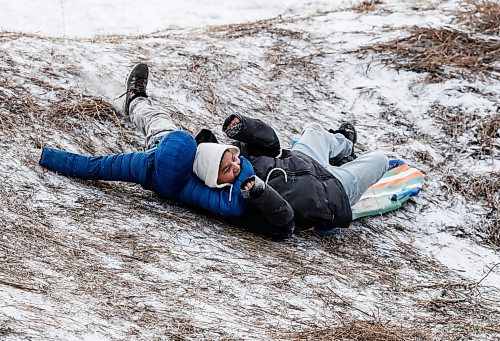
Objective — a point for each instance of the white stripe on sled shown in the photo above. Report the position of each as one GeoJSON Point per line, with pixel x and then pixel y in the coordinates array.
{"type": "Point", "coordinates": [397, 176]}
{"type": "Point", "coordinates": [387, 193]}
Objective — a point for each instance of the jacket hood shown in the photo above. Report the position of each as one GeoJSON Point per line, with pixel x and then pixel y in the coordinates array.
{"type": "Point", "coordinates": [207, 160]}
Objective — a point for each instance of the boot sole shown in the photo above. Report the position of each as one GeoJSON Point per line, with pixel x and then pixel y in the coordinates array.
{"type": "Point", "coordinates": [125, 110]}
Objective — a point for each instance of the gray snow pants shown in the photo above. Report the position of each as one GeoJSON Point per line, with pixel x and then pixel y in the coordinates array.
{"type": "Point", "coordinates": [356, 176]}
{"type": "Point", "coordinates": [151, 120]}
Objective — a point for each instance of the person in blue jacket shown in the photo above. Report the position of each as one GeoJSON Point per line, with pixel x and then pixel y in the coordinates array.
{"type": "Point", "coordinates": [165, 168]}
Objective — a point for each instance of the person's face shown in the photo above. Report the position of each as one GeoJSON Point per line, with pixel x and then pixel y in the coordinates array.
{"type": "Point", "coordinates": [229, 168]}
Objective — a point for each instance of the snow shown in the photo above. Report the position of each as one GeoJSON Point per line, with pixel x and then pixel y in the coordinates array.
{"type": "Point", "coordinates": [364, 92]}
{"type": "Point", "coordinates": [86, 18]}
{"type": "Point", "coordinates": [454, 250]}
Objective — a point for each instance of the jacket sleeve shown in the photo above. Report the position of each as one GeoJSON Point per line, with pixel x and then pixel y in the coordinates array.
{"type": "Point", "coordinates": [224, 202]}
{"type": "Point", "coordinates": [268, 214]}
{"type": "Point", "coordinates": [256, 137]}
{"type": "Point", "coordinates": [130, 167]}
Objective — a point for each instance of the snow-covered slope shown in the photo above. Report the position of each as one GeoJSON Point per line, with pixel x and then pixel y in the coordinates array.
{"type": "Point", "coordinates": [97, 260]}
{"type": "Point", "coordinates": [87, 18]}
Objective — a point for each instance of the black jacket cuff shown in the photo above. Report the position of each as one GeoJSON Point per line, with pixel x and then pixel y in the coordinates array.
{"type": "Point", "coordinates": [256, 190]}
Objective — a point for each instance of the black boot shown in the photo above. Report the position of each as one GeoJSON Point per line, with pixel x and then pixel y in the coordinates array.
{"type": "Point", "coordinates": [347, 129]}
{"type": "Point", "coordinates": [137, 82]}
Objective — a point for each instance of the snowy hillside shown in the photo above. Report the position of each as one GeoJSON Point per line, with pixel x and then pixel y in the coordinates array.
{"type": "Point", "coordinates": [83, 260]}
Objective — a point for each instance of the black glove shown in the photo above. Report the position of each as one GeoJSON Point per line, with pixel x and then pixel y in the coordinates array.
{"type": "Point", "coordinates": [205, 135]}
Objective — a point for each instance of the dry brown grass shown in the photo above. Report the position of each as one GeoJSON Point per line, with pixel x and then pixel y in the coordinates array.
{"type": "Point", "coordinates": [94, 108]}
{"type": "Point", "coordinates": [491, 228]}
{"type": "Point", "coordinates": [287, 63]}
{"type": "Point", "coordinates": [459, 125]}
{"type": "Point", "coordinates": [455, 122]}
{"type": "Point", "coordinates": [56, 114]}
{"type": "Point", "coordinates": [364, 330]}
{"type": "Point", "coordinates": [260, 27]}
{"type": "Point", "coordinates": [443, 53]}
{"type": "Point", "coordinates": [454, 301]}
{"type": "Point", "coordinates": [367, 6]}
{"type": "Point", "coordinates": [476, 189]}
{"type": "Point", "coordinates": [489, 130]}
{"type": "Point", "coordinates": [481, 16]}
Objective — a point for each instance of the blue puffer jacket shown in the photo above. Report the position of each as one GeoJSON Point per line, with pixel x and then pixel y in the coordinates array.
{"type": "Point", "coordinates": [167, 170]}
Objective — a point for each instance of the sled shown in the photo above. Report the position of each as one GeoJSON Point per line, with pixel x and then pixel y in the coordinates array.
{"type": "Point", "coordinates": [390, 192]}
{"type": "Point", "coordinates": [395, 188]}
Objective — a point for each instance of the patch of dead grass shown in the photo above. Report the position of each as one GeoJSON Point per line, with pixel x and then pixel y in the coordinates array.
{"type": "Point", "coordinates": [481, 16]}
{"type": "Point", "coordinates": [481, 132]}
{"type": "Point", "coordinates": [367, 6]}
{"type": "Point", "coordinates": [455, 122]}
{"type": "Point", "coordinates": [25, 111]}
{"type": "Point", "coordinates": [287, 62]}
{"type": "Point", "coordinates": [491, 228]}
{"type": "Point", "coordinates": [489, 130]}
{"type": "Point", "coordinates": [443, 53]}
{"type": "Point", "coordinates": [94, 108]}
{"type": "Point", "coordinates": [477, 188]}
{"type": "Point", "coordinates": [5, 329]}
{"type": "Point", "coordinates": [268, 26]}
{"type": "Point", "coordinates": [363, 330]}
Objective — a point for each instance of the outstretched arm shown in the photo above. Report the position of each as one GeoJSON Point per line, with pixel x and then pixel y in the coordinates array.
{"type": "Point", "coordinates": [257, 137]}
{"type": "Point", "coordinates": [130, 167]}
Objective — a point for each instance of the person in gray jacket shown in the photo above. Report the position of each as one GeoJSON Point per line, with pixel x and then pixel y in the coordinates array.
{"type": "Point", "coordinates": [297, 187]}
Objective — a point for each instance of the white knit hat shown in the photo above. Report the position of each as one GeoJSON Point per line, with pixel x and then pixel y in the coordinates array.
{"type": "Point", "coordinates": [207, 160]}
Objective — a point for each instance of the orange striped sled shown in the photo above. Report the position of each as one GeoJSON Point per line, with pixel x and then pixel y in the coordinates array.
{"type": "Point", "coordinates": [390, 192]}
